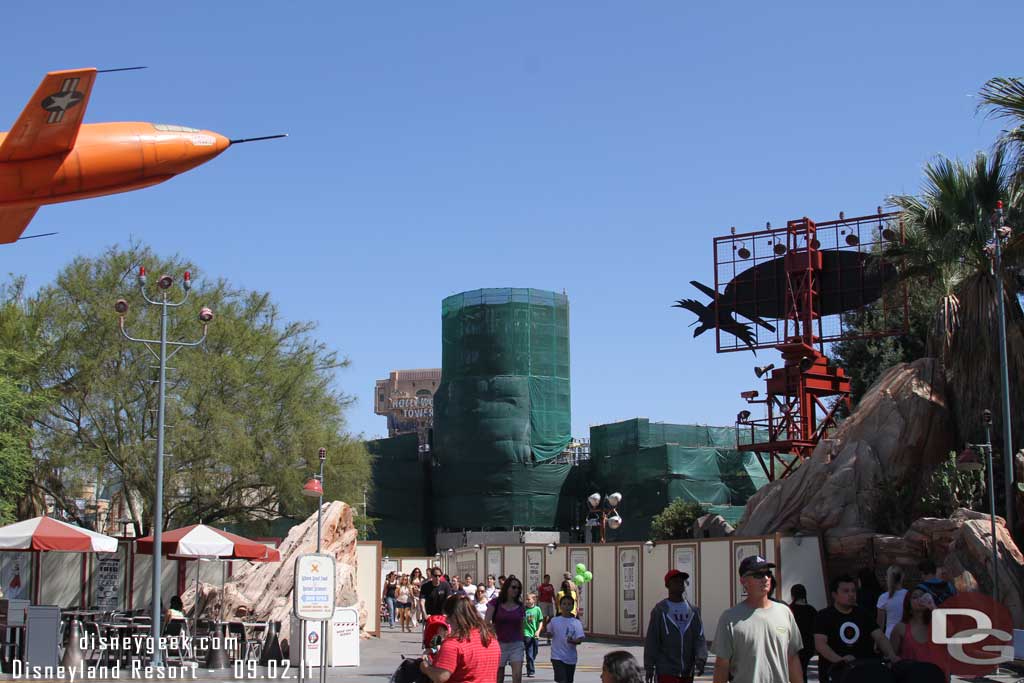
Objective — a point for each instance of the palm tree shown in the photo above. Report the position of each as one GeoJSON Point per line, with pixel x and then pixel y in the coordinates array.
{"type": "Point", "coordinates": [947, 233]}
{"type": "Point", "coordinates": [1003, 98]}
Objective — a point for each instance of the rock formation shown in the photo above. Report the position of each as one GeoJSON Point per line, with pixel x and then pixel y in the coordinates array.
{"type": "Point", "coordinates": [265, 589]}
{"type": "Point", "coordinates": [901, 428]}
{"type": "Point", "coordinates": [712, 526]}
{"type": "Point", "coordinates": [899, 432]}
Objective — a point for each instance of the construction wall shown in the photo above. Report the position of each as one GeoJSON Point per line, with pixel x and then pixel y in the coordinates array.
{"type": "Point", "coordinates": [368, 583]}
{"type": "Point", "coordinates": [629, 580]}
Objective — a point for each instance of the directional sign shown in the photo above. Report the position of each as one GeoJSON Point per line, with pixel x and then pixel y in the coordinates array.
{"type": "Point", "coordinates": [314, 587]}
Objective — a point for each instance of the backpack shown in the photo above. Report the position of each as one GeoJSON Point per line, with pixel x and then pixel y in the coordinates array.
{"type": "Point", "coordinates": [939, 590]}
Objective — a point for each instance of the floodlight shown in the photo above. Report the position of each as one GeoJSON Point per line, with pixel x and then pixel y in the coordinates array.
{"type": "Point", "coordinates": [968, 461]}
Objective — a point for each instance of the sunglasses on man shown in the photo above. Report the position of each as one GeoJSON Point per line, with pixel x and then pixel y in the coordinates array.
{"type": "Point", "coordinates": [759, 575]}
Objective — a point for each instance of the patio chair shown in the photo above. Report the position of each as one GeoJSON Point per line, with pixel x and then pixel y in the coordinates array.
{"type": "Point", "coordinates": [247, 647]}
{"type": "Point", "coordinates": [178, 629]}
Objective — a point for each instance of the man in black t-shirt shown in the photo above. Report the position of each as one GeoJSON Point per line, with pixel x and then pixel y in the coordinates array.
{"type": "Point", "coordinates": [434, 593]}
{"type": "Point", "coordinates": [843, 633]}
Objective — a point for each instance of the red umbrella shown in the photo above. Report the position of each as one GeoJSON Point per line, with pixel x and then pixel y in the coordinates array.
{"type": "Point", "coordinates": [199, 540]}
{"type": "Point", "coordinates": [43, 533]}
{"type": "Point", "coordinates": [46, 534]}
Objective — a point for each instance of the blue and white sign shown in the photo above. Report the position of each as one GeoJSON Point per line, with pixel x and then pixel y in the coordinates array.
{"type": "Point", "coordinates": [314, 587]}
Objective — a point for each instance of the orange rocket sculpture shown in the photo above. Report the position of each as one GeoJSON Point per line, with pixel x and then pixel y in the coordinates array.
{"type": "Point", "coordinates": [50, 156]}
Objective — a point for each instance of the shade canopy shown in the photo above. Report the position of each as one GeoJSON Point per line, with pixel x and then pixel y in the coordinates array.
{"type": "Point", "coordinates": [46, 534]}
{"type": "Point", "coordinates": [199, 540]}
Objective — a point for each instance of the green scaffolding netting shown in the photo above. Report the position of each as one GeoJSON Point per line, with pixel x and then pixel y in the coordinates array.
{"type": "Point", "coordinates": [502, 409]}
{"type": "Point", "coordinates": [653, 464]}
{"type": "Point", "coordinates": [397, 502]}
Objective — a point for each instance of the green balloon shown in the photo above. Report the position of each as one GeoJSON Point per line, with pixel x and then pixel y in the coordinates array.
{"type": "Point", "coordinates": [579, 579]}
{"type": "Point", "coordinates": [588, 575]}
{"type": "Point", "coordinates": [580, 568]}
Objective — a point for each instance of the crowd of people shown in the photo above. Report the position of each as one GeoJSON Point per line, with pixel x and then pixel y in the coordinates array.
{"type": "Point", "coordinates": [868, 633]}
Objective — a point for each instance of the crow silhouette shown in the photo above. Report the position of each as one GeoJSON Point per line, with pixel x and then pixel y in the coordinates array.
{"type": "Point", "coordinates": [725, 321]}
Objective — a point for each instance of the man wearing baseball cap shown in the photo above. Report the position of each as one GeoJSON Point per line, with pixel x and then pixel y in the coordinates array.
{"type": "Point", "coordinates": [675, 648]}
{"type": "Point", "coordinates": [757, 640]}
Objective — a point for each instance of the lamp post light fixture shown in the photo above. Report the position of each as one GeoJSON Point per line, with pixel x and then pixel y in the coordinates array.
{"type": "Point", "coordinates": [605, 506]}
{"type": "Point", "coordinates": [205, 317]}
{"type": "Point", "coordinates": [968, 461]}
{"type": "Point", "coordinates": [649, 547]}
{"type": "Point", "coordinates": [314, 488]}
{"type": "Point", "coordinates": [551, 548]}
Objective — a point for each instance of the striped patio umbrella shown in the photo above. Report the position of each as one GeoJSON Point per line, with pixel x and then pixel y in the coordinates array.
{"type": "Point", "coordinates": [46, 534]}
{"type": "Point", "coordinates": [199, 540]}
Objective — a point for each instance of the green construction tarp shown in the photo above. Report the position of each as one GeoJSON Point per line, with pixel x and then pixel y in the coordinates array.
{"type": "Point", "coordinates": [502, 409]}
{"type": "Point", "coordinates": [653, 464]}
{"type": "Point", "coordinates": [397, 501]}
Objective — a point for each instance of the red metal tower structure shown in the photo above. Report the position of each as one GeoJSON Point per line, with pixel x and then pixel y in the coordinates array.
{"type": "Point", "coordinates": [801, 287]}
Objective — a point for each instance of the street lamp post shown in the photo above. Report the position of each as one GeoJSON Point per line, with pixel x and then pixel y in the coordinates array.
{"type": "Point", "coordinates": [967, 462]}
{"type": "Point", "coordinates": [205, 316]}
{"type": "Point", "coordinates": [605, 506]}
{"type": "Point", "coordinates": [999, 233]}
{"type": "Point", "coordinates": [314, 488]}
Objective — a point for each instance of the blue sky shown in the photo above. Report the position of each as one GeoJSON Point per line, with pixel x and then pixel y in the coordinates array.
{"type": "Point", "coordinates": [594, 147]}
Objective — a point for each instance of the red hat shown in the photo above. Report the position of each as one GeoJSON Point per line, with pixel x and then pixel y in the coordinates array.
{"type": "Point", "coordinates": [672, 573]}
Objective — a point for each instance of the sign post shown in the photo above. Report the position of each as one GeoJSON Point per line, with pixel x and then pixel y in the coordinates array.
{"type": "Point", "coordinates": [313, 600]}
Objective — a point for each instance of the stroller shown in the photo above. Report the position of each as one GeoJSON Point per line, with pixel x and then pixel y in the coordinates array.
{"type": "Point", "coordinates": [434, 631]}
{"type": "Point", "coordinates": [875, 671]}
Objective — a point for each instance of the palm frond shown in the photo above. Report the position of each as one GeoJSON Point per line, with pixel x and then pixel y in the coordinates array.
{"type": "Point", "coordinates": [1002, 98]}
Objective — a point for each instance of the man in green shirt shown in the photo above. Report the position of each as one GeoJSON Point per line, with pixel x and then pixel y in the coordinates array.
{"type": "Point", "coordinates": [531, 628]}
{"type": "Point", "coordinates": [758, 640]}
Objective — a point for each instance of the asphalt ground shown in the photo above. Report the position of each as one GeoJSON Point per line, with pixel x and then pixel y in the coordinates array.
{"type": "Point", "coordinates": [379, 657]}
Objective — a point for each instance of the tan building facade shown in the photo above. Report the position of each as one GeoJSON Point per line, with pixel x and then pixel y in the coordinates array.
{"type": "Point", "coordinates": [406, 398]}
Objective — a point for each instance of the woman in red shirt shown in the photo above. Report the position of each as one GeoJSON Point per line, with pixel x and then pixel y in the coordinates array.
{"type": "Point", "coordinates": [470, 653]}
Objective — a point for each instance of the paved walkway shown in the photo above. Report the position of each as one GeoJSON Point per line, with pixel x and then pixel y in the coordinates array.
{"type": "Point", "coordinates": [381, 656]}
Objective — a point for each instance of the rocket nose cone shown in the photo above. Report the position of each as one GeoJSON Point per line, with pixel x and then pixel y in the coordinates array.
{"type": "Point", "coordinates": [220, 143]}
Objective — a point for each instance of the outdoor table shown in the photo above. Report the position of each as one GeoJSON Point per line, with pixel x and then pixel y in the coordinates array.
{"type": "Point", "coordinates": [218, 657]}
{"type": "Point", "coordinates": [271, 644]}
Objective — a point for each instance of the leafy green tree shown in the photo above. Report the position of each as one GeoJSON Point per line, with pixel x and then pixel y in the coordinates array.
{"type": "Point", "coordinates": [19, 405]}
{"type": "Point", "coordinates": [866, 359]}
{"type": "Point", "coordinates": [676, 520]}
{"type": "Point", "coordinates": [246, 412]}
